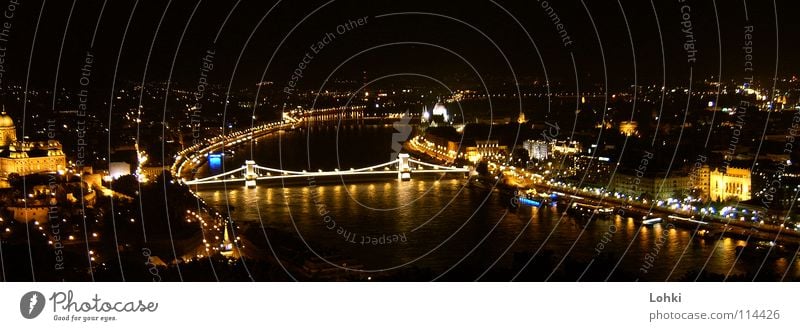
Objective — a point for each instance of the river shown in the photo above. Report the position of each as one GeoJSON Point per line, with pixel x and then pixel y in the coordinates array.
{"type": "Point", "coordinates": [455, 230]}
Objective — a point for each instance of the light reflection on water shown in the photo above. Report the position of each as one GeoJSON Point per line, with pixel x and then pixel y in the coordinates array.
{"type": "Point", "coordinates": [446, 213]}
{"type": "Point", "coordinates": [278, 207]}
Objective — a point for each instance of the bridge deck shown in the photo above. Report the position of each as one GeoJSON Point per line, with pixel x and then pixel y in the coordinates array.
{"type": "Point", "coordinates": [269, 174]}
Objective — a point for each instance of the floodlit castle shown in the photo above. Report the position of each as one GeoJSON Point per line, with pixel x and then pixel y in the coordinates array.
{"type": "Point", "coordinates": [27, 157]}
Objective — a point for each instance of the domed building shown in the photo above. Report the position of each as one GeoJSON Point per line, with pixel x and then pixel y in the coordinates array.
{"type": "Point", "coordinates": [439, 116]}
{"type": "Point", "coordinates": [27, 157]}
{"type": "Point", "coordinates": [440, 110]}
{"type": "Point", "coordinates": [8, 133]}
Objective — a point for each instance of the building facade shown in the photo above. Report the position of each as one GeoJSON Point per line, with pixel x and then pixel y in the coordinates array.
{"type": "Point", "coordinates": [27, 157]}
{"type": "Point", "coordinates": [653, 186]}
{"type": "Point", "coordinates": [542, 149]}
{"type": "Point", "coordinates": [730, 184]}
{"type": "Point", "coordinates": [629, 128]}
{"type": "Point", "coordinates": [537, 149]}
{"type": "Point", "coordinates": [716, 185]}
{"type": "Point", "coordinates": [485, 149]}
{"type": "Point", "coordinates": [438, 117]}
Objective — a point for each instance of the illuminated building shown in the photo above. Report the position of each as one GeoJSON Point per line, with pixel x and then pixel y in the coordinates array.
{"type": "Point", "coordinates": [440, 110]}
{"type": "Point", "coordinates": [732, 183]}
{"type": "Point", "coordinates": [485, 148]}
{"type": "Point", "coordinates": [717, 185]}
{"type": "Point", "coordinates": [154, 171]}
{"type": "Point", "coordinates": [521, 119]}
{"type": "Point", "coordinates": [537, 149]}
{"type": "Point", "coordinates": [652, 186]}
{"type": "Point", "coordinates": [541, 150]}
{"type": "Point", "coordinates": [628, 128]}
{"type": "Point", "coordinates": [228, 249]}
{"type": "Point", "coordinates": [8, 133]}
{"type": "Point", "coordinates": [566, 147]}
{"type": "Point", "coordinates": [27, 157]}
{"type": "Point", "coordinates": [701, 181]}
{"type": "Point", "coordinates": [119, 169]}
{"type": "Point", "coordinates": [438, 117]}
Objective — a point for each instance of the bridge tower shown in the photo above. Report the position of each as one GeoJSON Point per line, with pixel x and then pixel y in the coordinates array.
{"type": "Point", "coordinates": [250, 173]}
{"type": "Point", "coordinates": [403, 167]}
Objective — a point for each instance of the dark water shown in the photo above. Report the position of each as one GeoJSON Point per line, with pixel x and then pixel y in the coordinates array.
{"type": "Point", "coordinates": [449, 227]}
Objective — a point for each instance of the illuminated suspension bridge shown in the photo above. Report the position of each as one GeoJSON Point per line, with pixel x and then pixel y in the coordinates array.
{"type": "Point", "coordinates": [251, 172]}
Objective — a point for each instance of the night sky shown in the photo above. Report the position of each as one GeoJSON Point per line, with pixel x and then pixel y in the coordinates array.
{"type": "Point", "coordinates": [491, 40]}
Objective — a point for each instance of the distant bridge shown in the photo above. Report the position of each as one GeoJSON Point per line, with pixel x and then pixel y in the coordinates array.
{"type": "Point", "coordinates": [250, 172]}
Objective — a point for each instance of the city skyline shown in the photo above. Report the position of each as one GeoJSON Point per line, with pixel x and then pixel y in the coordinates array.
{"type": "Point", "coordinates": [399, 141]}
